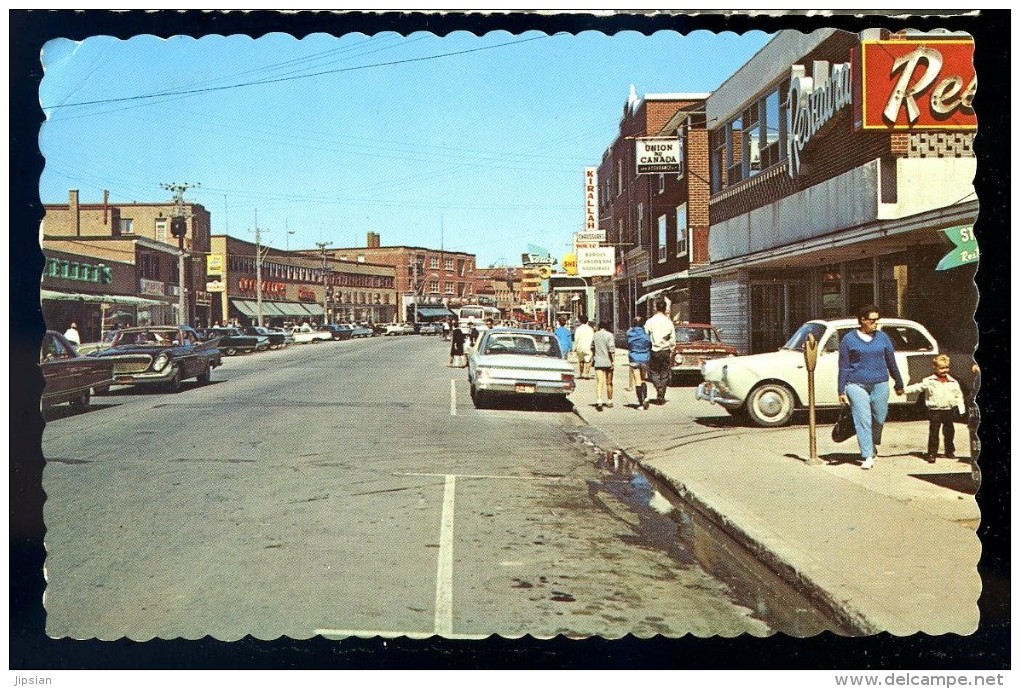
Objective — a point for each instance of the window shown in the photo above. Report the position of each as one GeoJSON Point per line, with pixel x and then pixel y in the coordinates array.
{"type": "Point", "coordinates": [718, 159]}
{"type": "Point", "coordinates": [734, 151]}
{"type": "Point", "coordinates": [752, 140]}
{"type": "Point", "coordinates": [749, 143]}
{"type": "Point", "coordinates": [662, 183]}
{"type": "Point", "coordinates": [619, 177]}
{"type": "Point", "coordinates": [434, 286]}
{"type": "Point", "coordinates": [681, 229]}
{"type": "Point", "coordinates": [448, 264]}
{"type": "Point", "coordinates": [434, 263]}
{"type": "Point", "coordinates": [907, 339]}
{"type": "Point", "coordinates": [449, 288]}
{"type": "Point", "coordinates": [640, 224]}
{"type": "Point", "coordinates": [127, 226]}
{"type": "Point", "coordinates": [161, 227]}
{"type": "Point", "coordinates": [662, 238]}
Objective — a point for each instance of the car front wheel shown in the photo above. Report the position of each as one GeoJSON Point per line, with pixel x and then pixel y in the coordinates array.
{"type": "Point", "coordinates": [174, 384]}
{"type": "Point", "coordinates": [82, 400]}
{"type": "Point", "coordinates": [205, 376]}
{"type": "Point", "coordinates": [771, 404]}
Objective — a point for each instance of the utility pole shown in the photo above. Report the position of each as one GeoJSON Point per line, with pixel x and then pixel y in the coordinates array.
{"type": "Point", "coordinates": [179, 228]}
{"type": "Point", "coordinates": [325, 283]}
{"type": "Point", "coordinates": [258, 268]}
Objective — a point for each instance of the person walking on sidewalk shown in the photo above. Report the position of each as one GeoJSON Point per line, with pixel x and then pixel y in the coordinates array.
{"type": "Point", "coordinates": [662, 333]}
{"type": "Point", "coordinates": [604, 349]}
{"type": "Point", "coordinates": [866, 362]}
{"type": "Point", "coordinates": [639, 351]}
{"type": "Point", "coordinates": [563, 336]}
{"type": "Point", "coordinates": [943, 398]}
{"type": "Point", "coordinates": [584, 335]}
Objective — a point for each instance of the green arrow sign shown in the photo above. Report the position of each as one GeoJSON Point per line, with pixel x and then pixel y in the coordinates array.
{"type": "Point", "coordinates": [966, 250]}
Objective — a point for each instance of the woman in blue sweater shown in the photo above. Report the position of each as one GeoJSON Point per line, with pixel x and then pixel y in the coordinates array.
{"type": "Point", "coordinates": [866, 362]}
{"type": "Point", "coordinates": [639, 351]}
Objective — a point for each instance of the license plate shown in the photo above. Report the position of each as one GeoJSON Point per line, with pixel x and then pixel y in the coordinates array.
{"type": "Point", "coordinates": [522, 387]}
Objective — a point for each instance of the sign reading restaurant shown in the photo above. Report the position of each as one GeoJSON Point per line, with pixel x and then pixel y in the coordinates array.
{"type": "Point", "coordinates": [813, 102]}
{"type": "Point", "coordinates": [916, 84]}
{"type": "Point", "coordinates": [657, 156]}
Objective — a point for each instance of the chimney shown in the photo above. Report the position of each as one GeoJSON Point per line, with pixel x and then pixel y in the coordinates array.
{"type": "Point", "coordinates": [373, 240]}
{"type": "Point", "coordinates": [72, 203]}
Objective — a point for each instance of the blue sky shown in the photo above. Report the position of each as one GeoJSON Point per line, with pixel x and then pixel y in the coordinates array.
{"type": "Point", "coordinates": [472, 143]}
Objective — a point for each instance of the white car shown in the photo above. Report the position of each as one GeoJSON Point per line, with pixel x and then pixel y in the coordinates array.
{"type": "Point", "coordinates": [310, 337]}
{"type": "Point", "coordinates": [519, 362]}
{"type": "Point", "coordinates": [768, 387]}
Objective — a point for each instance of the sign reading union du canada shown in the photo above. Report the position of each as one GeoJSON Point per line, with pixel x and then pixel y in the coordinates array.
{"type": "Point", "coordinates": [917, 84]}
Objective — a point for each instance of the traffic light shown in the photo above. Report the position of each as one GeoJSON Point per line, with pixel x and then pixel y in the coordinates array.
{"type": "Point", "coordinates": [178, 227]}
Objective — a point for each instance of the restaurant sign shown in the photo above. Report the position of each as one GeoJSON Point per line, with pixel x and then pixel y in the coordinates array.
{"type": "Point", "coordinates": [814, 100]}
{"type": "Point", "coordinates": [269, 288]}
{"type": "Point", "coordinates": [916, 84]}
{"type": "Point", "coordinates": [306, 293]}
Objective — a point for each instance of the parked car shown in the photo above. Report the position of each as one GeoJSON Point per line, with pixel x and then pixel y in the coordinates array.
{"type": "Point", "coordinates": [697, 343]}
{"type": "Point", "coordinates": [359, 330]}
{"type": "Point", "coordinates": [233, 340]}
{"type": "Point", "coordinates": [310, 336]}
{"type": "Point", "coordinates": [161, 355]}
{"type": "Point", "coordinates": [398, 329]}
{"type": "Point", "coordinates": [430, 329]}
{"type": "Point", "coordinates": [277, 340]}
{"type": "Point", "coordinates": [288, 337]}
{"type": "Point", "coordinates": [86, 348]}
{"type": "Point", "coordinates": [337, 331]}
{"type": "Point", "coordinates": [515, 361]}
{"type": "Point", "coordinates": [70, 376]}
{"type": "Point", "coordinates": [768, 387]}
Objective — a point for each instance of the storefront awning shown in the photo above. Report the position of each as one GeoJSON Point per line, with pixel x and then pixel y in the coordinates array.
{"type": "Point", "coordinates": [653, 294]}
{"type": "Point", "coordinates": [245, 307]}
{"type": "Point", "coordinates": [432, 312]}
{"type": "Point", "coordinates": [313, 309]}
{"type": "Point", "coordinates": [101, 298]}
{"type": "Point", "coordinates": [269, 308]}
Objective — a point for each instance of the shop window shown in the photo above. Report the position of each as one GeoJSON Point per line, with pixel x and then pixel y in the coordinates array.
{"type": "Point", "coordinates": [662, 239]}
{"type": "Point", "coordinates": [832, 294]}
{"type": "Point", "coordinates": [681, 230]}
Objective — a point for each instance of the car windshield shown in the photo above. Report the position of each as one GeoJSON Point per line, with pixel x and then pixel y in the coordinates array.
{"type": "Point", "coordinates": [796, 342]}
{"type": "Point", "coordinates": [694, 334]}
{"type": "Point", "coordinates": [536, 344]}
{"type": "Point", "coordinates": [148, 337]}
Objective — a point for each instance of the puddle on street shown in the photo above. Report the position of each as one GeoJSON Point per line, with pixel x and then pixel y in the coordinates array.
{"type": "Point", "coordinates": [690, 539]}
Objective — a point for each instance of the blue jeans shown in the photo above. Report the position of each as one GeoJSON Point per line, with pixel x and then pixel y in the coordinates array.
{"type": "Point", "coordinates": [869, 403]}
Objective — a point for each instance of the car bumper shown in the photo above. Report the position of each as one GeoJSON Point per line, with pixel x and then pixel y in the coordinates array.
{"type": "Point", "coordinates": [711, 393]}
{"type": "Point", "coordinates": [145, 378]}
{"type": "Point", "coordinates": [525, 387]}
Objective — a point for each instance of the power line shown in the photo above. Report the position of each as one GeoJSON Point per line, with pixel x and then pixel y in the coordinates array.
{"type": "Point", "coordinates": [190, 92]}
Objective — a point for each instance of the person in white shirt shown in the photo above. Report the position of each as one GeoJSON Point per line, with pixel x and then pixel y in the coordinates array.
{"type": "Point", "coordinates": [662, 332]}
{"type": "Point", "coordinates": [584, 336]}
{"type": "Point", "coordinates": [943, 398]}
{"type": "Point", "coordinates": [72, 335]}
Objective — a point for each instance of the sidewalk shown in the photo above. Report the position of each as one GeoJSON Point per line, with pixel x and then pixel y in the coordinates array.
{"type": "Point", "coordinates": [890, 549]}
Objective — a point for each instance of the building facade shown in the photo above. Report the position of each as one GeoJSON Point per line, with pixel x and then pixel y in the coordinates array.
{"type": "Point", "coordinates": [831, 190]}
{"type": "Point", "coordinates": [295, 287]}
{"type": "Point", "coordinates": [102, 283]}
{"type": "Point", "coordinates": [151, 221]}
{"type": "Point", "coordinates": [499, 286]}
{"type": "Point", "coordinates": [637, 210]}
{"type": "Point", "coordinates": [429, 278]}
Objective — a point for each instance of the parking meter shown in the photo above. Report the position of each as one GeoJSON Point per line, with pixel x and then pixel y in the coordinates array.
{"type": "Point", "coordinates": [810, 360]}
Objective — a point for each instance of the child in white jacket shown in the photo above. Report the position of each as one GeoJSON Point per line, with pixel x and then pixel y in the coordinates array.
{"type": "Point", "coordinates": [944, 398]}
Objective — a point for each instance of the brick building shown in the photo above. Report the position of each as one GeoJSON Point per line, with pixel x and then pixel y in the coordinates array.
{"type": "Point", "coordinates": [647, 217]}
{"type": "Point", "coordinates": [499, 286]}
{"type": "Point", "coordinates": [429, 278]}
{"type": "Point", "coordinates": [296, 287]}
{"type": "Point", "coordinates": [87, 221]}
{"type": "Point", "coordinates": [823, 206]}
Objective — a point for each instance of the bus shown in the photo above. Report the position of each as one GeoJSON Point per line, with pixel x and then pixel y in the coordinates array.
{"type": "Point", "coordinates": [475, 314]}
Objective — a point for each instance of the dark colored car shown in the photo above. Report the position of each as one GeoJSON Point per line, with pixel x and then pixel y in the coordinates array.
{"type": "Point", "coordinates": [231, 340]}
{"type": "Point", "coordinates": [70, 377]}
{"type": "Point", "coordinates": [160, 355]}
{"type": "Point", "coordinates": [277, 340]}
{"type": "Point", "coordinates": [338, 331]}
{"type": "Point", "coordinates": [695, 344]}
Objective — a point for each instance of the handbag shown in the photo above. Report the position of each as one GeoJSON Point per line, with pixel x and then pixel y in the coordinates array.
{"type": "Point", "coordinates": [844, 428]}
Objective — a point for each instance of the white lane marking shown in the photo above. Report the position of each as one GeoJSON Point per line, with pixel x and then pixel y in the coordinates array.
{"type": "Point", "coordinates": [507, 477]}
{"type": "Point", "coordinates": [444, 568]}
{"type": "Point", "coordinates": [453, 397]}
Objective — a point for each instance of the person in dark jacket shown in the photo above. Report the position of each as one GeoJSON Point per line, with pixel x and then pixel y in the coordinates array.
{"type": "Point", "coordinates": [866, 362]}
{"type": "Point", "coordinates": [457, 338]}
{"type": "Point", "coordinates": [639, 351]}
